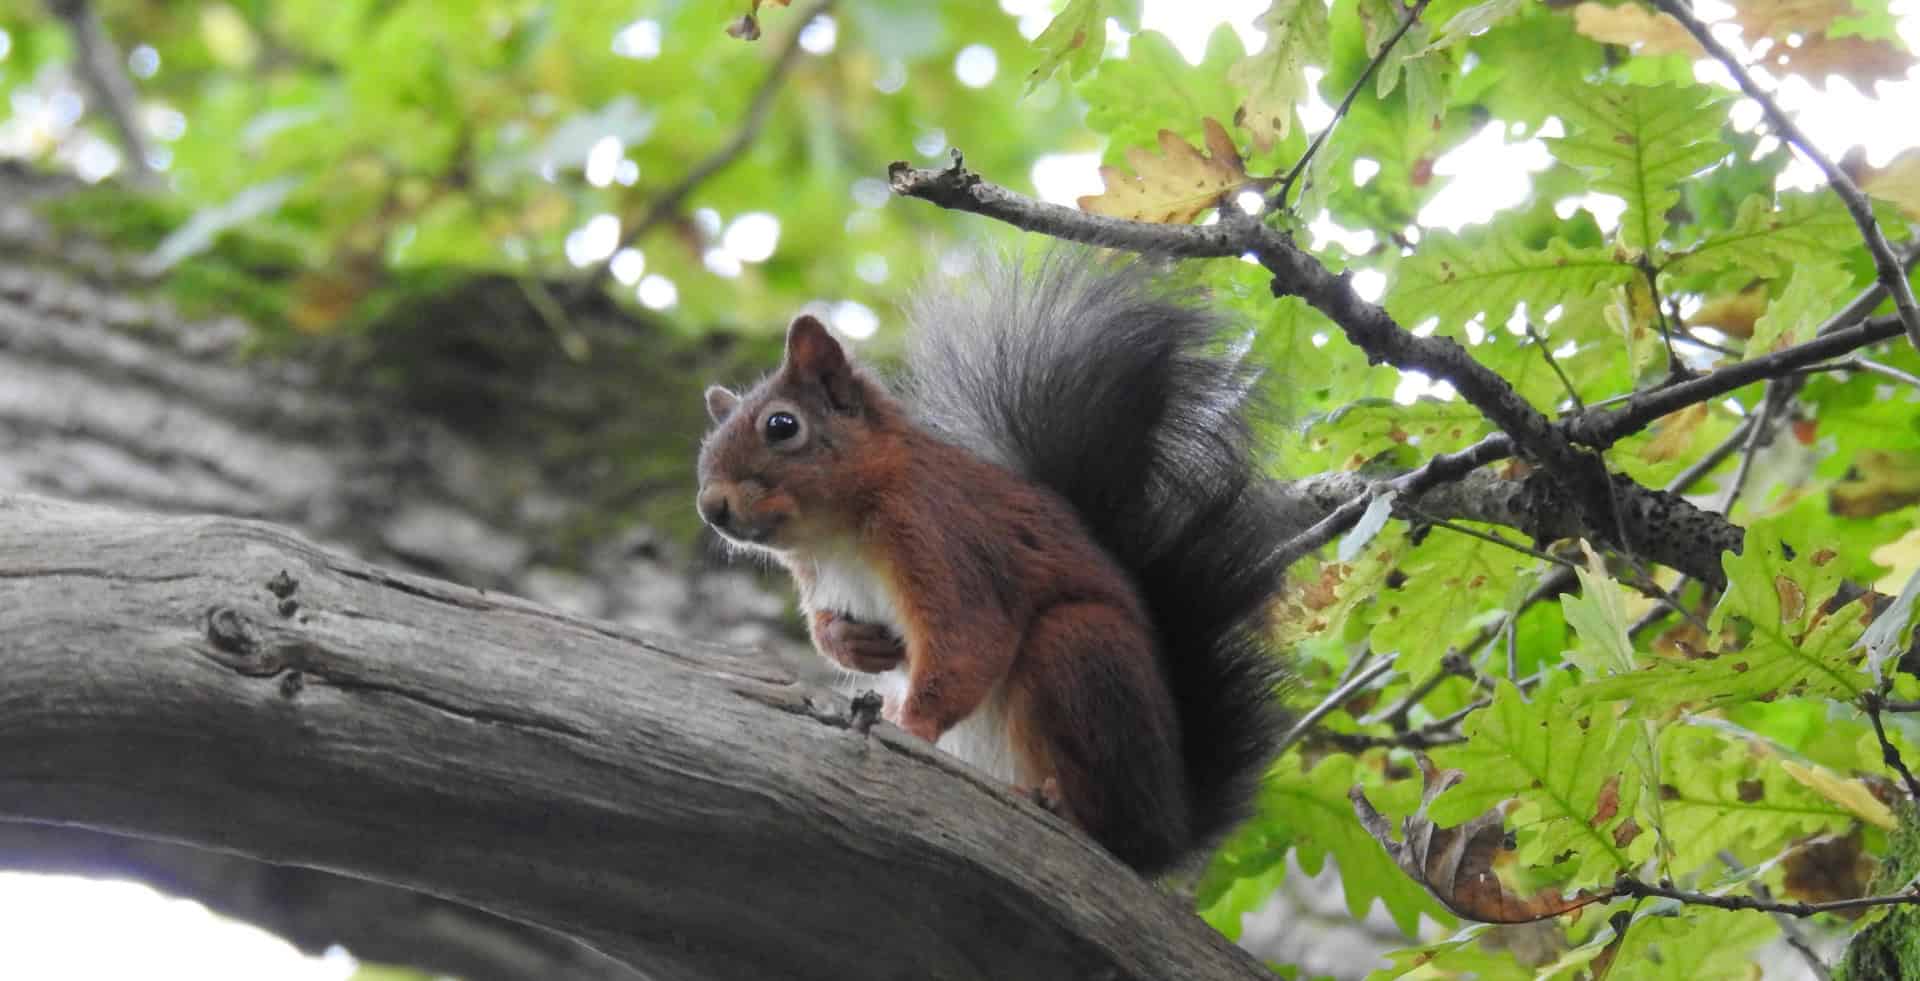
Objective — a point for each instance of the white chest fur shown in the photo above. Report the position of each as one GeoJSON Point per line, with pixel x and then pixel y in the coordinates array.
{"type": "Point", "coordinates": [844, 583]}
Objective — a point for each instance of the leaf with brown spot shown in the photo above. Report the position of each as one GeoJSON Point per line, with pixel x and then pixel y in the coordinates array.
{"type": "Point", "coordinates": [1793, 599]}
{"type": "Point", "coordinates": [1176, 185]}
{"type": "Point", "coordinates": [1457, 864]}
{"type": "Point", "coordinates": [1609, 802]}
{"type": "Point", "coordinates": [1829, 869]}
{"type": "Point", "coordinates": [1878, 482]}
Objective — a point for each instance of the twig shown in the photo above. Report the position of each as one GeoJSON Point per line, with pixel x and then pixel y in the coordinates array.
{"type": "Point", "coordinates": [1333, 701]}
{"type": "Point", "coordinates": [1451, 666]}
{"type": "Point", "coordinates": [1756, 436]}
{"type": "Point", "coordinates": [1886, 266]}
{"type": "Point", "coordinates": [1346, 103]}
{"type": "Point", "coordinates": [1437, 470]}
{"type": "Point", "coordinates": [1860, 364]}
{"type": "Point", "coordinates": [1789, 927]}
{"type": "Point", "coordinates": [1554, 363]}
{"type": "Point", "coordinates": [668, 202]}
{"type": "Point", "coordinates": [1872, 701]}
{"type": "Point", "coordinates": [1676, 369]}
{"type": "Point", "coordinates": [1487, 536]}
{"type": "Point", "coordinates": [100, 67]}
{"type": "Point", "coordinates": [1629, 887]}
{"type": "Point", "coordinates": [1601, 429]}
{"type": "Point", "coordinates": [1716, 456]}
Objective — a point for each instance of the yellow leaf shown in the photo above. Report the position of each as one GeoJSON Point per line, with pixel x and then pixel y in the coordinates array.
{"type": "Point", "coordinates": [1733, 314]}
{"type": "Point", "coordinates": [1634, 26]}
{"type": "Point", "coordinates": [1673, 434]}
{"type": "Point", "coordinates": [1898, 182]}
{"type": "Point", "coordinates": [1850, 794]}
{"type": "Point", "coordinates": [1902, 556]}
{"type": "Point", "coordinates": [1176, 185]}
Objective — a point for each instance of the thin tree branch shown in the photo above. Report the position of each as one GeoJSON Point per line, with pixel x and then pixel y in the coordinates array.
{"type": "Point", "coordinates": [1346, 103]}
{"type": "Point", "coordinates": [1885, 264]}
{"type": "Point", "coordinates": [101, 69]}
{"type": "Point", "coordinates": [1629, 887]}
{"type": "Point", "coordinates": [667, 203]}
{"type": "Point", "coordinates": [1873, 701]}
{"type": "Point", "coordinates": [1334, 700]}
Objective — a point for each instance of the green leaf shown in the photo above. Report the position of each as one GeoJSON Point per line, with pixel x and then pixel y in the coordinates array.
{"type": "Point", "coordinates": [1571, 769]}
{"type": "Point", "coordinates": [1076, 38]}
{"type": "Point", "coordinates": [1640, 142]}
{"type": "Point", "coordinates": [1765, 242]}
{"type": "Point", "coordinates": [1310, 814]}
{"type": "Point", "coordinates": [1720, 793]}
{"type": "Point", "coordinates": [1794, 315]}
{"type": "Point", "coordinates": [1275, 78]}
{"type": "Point", "coordinates": [1487, 271]}
{"type": "Point", "coordinates": [1153, 88]}
{"type": "Point", "coordinates": [1473, 20]}
{"type": "Point", "coordinates": [1599, 616]}
{"type": "Point", "coordinates": [1790, 646]}
{"type": "Point", "coordinates": [1693, 944]}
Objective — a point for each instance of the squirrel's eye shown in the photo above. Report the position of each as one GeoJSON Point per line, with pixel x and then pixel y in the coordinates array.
{"type": "Point", "coordinates": [782, 426]}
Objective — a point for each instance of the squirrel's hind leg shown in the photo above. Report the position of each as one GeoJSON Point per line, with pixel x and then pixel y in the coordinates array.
{"type": "Point", "coordinates": [1091, 715]}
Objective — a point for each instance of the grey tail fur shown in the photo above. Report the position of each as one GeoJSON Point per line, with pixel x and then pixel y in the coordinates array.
{"type": "Point", "coordinates": [1128, 400]}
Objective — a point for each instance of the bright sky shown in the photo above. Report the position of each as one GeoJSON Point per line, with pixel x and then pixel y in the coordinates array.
{"type": "Point", "coordinates": [75, 930]}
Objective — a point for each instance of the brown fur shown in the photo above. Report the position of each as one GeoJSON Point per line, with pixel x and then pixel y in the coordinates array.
{"type": "Point", "coordinates": [995, 582]}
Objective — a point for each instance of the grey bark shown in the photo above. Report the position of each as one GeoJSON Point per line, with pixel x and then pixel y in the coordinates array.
{"type": "Point", "coordinates": [316, 910]}
{"type": "Point", "coordinates": [688, 809]}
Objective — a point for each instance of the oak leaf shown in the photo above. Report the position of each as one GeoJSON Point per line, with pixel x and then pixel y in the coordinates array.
{"type": "Point", "coordinates": [1634, 26]}
{"type": "Point", "coordinates": [1176, 185]}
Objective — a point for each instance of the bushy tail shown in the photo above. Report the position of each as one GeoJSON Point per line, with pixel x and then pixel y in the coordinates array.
{"type": "Point", "coordinates": [1130, 402]}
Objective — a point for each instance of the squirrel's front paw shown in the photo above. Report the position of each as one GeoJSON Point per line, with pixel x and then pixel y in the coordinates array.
{"type": "Point", "coordinates": [869, 648]}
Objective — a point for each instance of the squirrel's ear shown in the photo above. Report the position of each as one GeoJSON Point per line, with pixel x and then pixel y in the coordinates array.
{"type": "Point", "coordinates": [815, 356]}
{"type": "Point", "coordinates": [721, 403]}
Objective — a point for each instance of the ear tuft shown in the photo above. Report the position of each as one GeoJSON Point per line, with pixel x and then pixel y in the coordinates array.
{"type": "Point", "coordinates": [721, 403]}
{"type": "Point", "coordinates": [814, 355]}
{"type": "Point", "coordinates": [811, 350]}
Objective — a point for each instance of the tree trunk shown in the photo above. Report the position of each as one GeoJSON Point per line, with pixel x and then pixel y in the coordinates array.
{"type": "Point", "coordinates": [687, 809]}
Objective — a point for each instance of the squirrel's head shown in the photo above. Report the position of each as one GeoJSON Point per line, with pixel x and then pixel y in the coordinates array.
{"type": "Point", "coordinates": [781, 467]}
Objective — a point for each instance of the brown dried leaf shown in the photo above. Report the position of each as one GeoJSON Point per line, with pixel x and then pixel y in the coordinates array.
{"type": "Point", "coordinates": [1457, 864]}
{"type": "Point", "coordinates": [1779, 18]}
{"type": "Point", "coordinates": [1856, 59]}
{"type": "Point", "coordinates": [1734, 313]}
{"type": "Point", "coordinates": [1631, 24]}
{"type": "Point", "coordinates": [1175, 186]}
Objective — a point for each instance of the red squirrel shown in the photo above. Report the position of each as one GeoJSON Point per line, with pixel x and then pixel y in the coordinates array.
{"type": "Point", "coordinates": [1051, 553]}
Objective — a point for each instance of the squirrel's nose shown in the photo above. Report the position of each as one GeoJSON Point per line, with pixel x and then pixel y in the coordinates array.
{"type": "Point", "coordinates": [714, 509]}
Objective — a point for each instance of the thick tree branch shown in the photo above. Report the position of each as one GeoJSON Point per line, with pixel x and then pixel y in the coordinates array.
{"type": "Point", "coordinates": [315, 910]}
{"type": "Point", "coordinates": [1886, 265]}
{"type": "Point", "coordinates": [1584, 487]}
{"type": "Point", "coordinates": [683, 808]}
